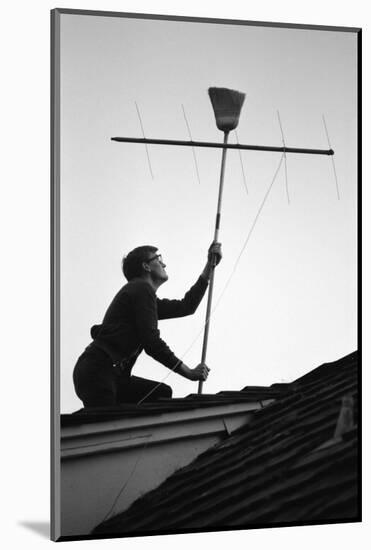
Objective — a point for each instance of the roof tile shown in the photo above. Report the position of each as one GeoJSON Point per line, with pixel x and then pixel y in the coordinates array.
{"type": "Point", "coordinates": [285, 466]}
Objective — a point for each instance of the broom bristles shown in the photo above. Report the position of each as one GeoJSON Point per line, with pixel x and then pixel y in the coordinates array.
{"type": "Point", "coordinates": [227, 105]}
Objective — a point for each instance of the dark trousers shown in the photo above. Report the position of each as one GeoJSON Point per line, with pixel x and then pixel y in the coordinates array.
{"type": "Point", "coordinates": [99, 384]}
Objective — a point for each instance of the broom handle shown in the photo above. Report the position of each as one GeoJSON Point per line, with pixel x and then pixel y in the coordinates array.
{"type": "Point", "coordinates": [211, 283]}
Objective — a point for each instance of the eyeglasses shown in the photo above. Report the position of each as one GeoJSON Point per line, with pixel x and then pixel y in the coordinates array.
{"type": "Point", "coordinates": [157, 257]}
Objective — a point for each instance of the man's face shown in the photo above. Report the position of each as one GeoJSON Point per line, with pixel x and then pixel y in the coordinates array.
{"type": "Point", "coordinates": [157, 266]}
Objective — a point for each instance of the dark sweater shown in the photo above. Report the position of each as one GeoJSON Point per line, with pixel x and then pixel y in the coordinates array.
{"type": "Point", "coordinates": [130, 323]}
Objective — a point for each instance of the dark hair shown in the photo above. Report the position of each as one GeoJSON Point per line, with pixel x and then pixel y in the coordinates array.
{"type": "Point", "coordinates": [132, 263]}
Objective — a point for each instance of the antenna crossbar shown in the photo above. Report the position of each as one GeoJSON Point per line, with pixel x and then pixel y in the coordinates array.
{"type": "Point", "coordinates": [265, 148]}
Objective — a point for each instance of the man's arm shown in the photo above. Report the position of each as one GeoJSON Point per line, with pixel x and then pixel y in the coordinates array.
{"type": "Point", "coordinates": [145, 314]}
{"type": "Point", "coordinates": [149, 335]}
{"type": "Point", "coordinates": [168, 309]}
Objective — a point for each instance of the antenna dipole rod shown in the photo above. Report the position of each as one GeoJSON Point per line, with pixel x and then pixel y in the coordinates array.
{"type": "Point", "coordinates": [266, 148]}
{"type": "Point", "coordinates": [211, 283]}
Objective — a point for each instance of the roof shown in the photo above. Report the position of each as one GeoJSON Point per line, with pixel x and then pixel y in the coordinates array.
{"type": "Point", "coordinates": [295, 462]}
{"type": "Point", "coordinates": [250, 394]}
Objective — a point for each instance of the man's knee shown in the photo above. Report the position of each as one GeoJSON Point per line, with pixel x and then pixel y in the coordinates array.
{"type": "Point", "coordinates": [166, 391]}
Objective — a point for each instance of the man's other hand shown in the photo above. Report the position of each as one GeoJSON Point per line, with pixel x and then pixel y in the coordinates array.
{"type": "Point", "coordinates": [201, 372]}
{"type": "Point", "coordinates": [214, 254]}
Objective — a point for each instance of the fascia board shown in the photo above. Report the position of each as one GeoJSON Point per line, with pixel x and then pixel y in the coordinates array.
{"type": "Point", "coordinates": [125, 434]}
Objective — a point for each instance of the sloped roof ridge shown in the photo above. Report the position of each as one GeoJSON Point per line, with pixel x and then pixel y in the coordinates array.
{"type": "Point", "coordinates": [233, 470]}
{"type": "Point", "coordinates": [245, 433]}
{"type": "Point", "coordinates": [254, 436]}
{"type": "Point", "coordinates": [339, 505]}
{"type": "Point", "coordinates": [272, 489]}
{"type": "Point", "coordinates": [232, 479]}
{"type": "Point", "coordinates": [327, 369]}
{"type": "Point", "coordinates": [205, 502]}
{"type": "Point", "coordinates": [286, 413]}
{"type": "Point", "coordinates": [306, 405]}
{"type": "Point", "coordinates": [306, 396]}
{"type": "Point", "coordinates": [316, 486]}
{"type": "Point", "coordinates": [249, 471]}
{"type": "Point", "coordinates": [208, 502]}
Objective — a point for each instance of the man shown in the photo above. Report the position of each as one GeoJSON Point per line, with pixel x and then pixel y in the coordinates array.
{"type": "Point", "coordinates": [102, 375]}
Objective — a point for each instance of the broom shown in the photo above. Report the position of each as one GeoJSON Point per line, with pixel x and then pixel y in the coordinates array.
{"type": "Point", "coordinates": [227, 105]}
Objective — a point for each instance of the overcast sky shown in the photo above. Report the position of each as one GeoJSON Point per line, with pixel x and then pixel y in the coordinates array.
{"type": "Point", "coordinates": [291, 302]}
